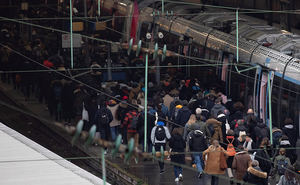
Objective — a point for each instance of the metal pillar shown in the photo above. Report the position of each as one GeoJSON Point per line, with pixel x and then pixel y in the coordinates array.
{"type": "Point", "coordinates": [146, 103]}
{"type": "Point", "coordinates": [71, 31]}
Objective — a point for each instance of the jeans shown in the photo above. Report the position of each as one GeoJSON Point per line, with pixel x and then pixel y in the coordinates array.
{"type": "Point", "coordinates": [198, 162]}
{"type": "Point", "coordinates": [177, 171]}
{"type": "Point", "coordinates": [157, 148]}
{"type": "Point", "coordinates": [114, 132]}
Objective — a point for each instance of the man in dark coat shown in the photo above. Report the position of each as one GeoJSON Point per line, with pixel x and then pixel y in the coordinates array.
{"type": "Point", "coordinates": [197, 143]}
{"type": "Point", "coordinates": [290, 130]}
{"type": "Point", "coordinates": [218, 107]}
{"type": "Point", "coordinates": [183, 114]}
{"type": "Point", "coordinates": [255, 175]}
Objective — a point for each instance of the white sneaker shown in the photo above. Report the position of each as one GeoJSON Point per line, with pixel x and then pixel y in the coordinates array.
{"type": "Point", "coordinates": [180, 177]}
{"type": "Point", "coordinates": [177, 179]}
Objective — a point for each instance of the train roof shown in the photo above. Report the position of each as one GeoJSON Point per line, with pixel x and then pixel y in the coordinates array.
{"type": "Point", "coordinates": [25, 162]}
{"type": "Point", "coordinates": [205, 28]}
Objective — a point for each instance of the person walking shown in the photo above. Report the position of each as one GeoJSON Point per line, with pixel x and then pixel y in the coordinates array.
{"type": "Point", "coordinates": [289, 177]}
{"type": "Point", "coordinates": [255, 175]}
{"type": "Point", "coordinates": [197, 144]}
{"type": "Point", "coordinates": [177, 144]}
{"type": "Point", "coordinates": [280, 164]}
{"type": "Point", "coordinates": [241, 163]}
{"type": "Point", "coordinates": [159, 136]}
{"type": "Point", "coordinates": [214, 162]}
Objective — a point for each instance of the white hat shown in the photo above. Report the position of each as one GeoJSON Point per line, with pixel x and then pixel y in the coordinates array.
{"type": "Point", "coordinates": [198, 111]}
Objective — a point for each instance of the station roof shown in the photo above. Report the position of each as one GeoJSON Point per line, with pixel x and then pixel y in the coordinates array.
{"type": "Point", "coordinates": [22, 161]}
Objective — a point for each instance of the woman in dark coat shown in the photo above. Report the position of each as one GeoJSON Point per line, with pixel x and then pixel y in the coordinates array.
{"type": "Point", "coordinates": [263, 156]}
{"type": "Point", "coordinates": [177, 144]}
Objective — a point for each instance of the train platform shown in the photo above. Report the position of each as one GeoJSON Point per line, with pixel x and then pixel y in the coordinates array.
{"type": "Point", "coordinates": [23, 161]}
{"type": "Point", "coordinates": [145, 172]}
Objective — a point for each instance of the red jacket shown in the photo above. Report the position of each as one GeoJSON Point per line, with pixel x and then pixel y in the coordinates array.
{"type": "Point", "coordinates": [128, 119]}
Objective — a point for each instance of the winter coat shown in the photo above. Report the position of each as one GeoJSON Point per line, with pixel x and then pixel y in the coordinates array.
{"type": "Point", "coordinates": [183, 116]}
{"type": "Point", "coordinates": [261, 131]}
{"type": "Point", "coordinates": [167, 100]}
{"type": "Point", "coordinates": [283, 181]}
{"type": "Point", "coordinates": [236, 116]}
{"type": "Point", "coordinates": [279, 158]}
{"type": "Point", "coordinates": [241, 163]}
{"type": "Point", "coordinates": [177, 144]}
{"type": "Point", "coordinates": [263, 157]}
{"type": "Point", "coordinates": [212, 162]}
{"type": "Point", "coordinates": [291, 132]}
{"type": "Point", "coordinates": [223, 127]}
{"type": "Point", "coordinates": [154, 140]}
{"type": "Point", "coordinates": [217, 127]}
{"type": "Point", "coordinates": [216, 109]}
{"type": "Point", "coordinates": [113, 109]}
{"type": "Point", "coordinates": [256, 176]}
{"type": "Point", "coordinates": [121, 112]}
{"type": "Point", "coordinates": [290, 153]}
{"type": "Point", "coordinates": [98, 120]}
{"type": "Point", "coordinates": [197, 141]}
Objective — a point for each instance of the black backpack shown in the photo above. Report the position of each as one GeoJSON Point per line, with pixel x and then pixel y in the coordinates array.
{"type": "Point", "coordinates": [134, 122]}
{"type": "Point", "coordinates": [160, 133]}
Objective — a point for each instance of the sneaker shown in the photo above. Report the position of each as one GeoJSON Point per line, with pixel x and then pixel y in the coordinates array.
{"type": "Point", "coordinates": [200, 175]}
{"type": "Point", "coordinates": [180, 177]}
{"type": "Point", "coordinates": [177, 179]}
{"type": "Point", "coordinates": [162, 171]}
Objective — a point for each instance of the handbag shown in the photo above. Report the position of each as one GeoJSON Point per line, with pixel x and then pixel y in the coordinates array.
{"type": "Point", "coordinates": [223, 163]}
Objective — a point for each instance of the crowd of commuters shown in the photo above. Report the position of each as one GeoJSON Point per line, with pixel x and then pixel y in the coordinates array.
{"type": "Point", "coordinates": [183, 116]}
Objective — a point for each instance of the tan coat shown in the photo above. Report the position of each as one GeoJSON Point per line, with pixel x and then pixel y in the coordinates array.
{"type": "Point", "coordinates": [241, 163]}
{"type": "Point", "coordinates": [212, 162]}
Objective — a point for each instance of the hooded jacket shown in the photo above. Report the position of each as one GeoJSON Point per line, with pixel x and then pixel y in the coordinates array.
{"type": "Point", "coordinates": [212, 162]}
{"type": "Point", "coordinates": [216, 109]}
{"type": "Point", "coordinates": [256, 176]}
{"type": "Point", "coordinates": [183, 116]}
{"type": "Point", "coordinates": [178, 145]}
{"type": "Point", "coordinates": [291, 132]}
{"type": "Point", "coordinates": [197, 141]}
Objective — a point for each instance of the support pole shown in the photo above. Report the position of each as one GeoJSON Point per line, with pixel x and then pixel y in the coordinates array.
{"type": "Point", "coordinates": [162, 7]}
{"type": "Point", "coordinates": [237, 35]}
{"type": "Point", "coordinates": [71, 33]}
{"type": "Point", "coordinates": [99, 1]}
{"type": "Point", "coordinates": [270, 106]}
{"type": "Point", "coordinates": [103, 166]}
{"type": "Point", "coordinates": [146, 103]}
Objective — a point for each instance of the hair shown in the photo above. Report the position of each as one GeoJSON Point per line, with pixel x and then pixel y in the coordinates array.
{"type": "Point", "coordinates": [218, 100]}
{"type": "Point", "coordinates": [282, 151]}
{"type": "Point", "coordinates": [192, 119]}
{"type": "Point", "coordinates": [254, 163]}
{"type": "Point", "coordinates": [238, 106]}
{"type": "Point", "coordinates": [289, 173]}
{"type": "Point", "coordinates": [265, 142]}
{"type": "Point", "coordinates": [230, 132]}
{"type": "Point", "coordinates": [177, 131]}
{"type": "Point", "coordinates": [240, 148]}
{"type": "Point", "coordinates": [288, 121]}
